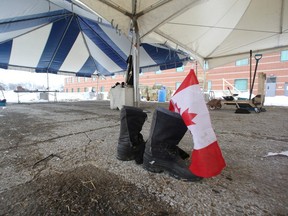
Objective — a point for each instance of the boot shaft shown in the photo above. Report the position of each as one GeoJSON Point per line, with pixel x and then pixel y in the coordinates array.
{"type": "Point", "coordinates": [132, 120]}
{"type": "Point", "coordinates": [167, 129]}
{"type": "Point", "coordinates": [131, 144]}
{"type": "Point", "coordinates": [161, 151]}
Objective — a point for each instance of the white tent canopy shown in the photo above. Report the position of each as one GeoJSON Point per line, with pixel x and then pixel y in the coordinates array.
{"type": "Point", "coordinates": [215, 31]}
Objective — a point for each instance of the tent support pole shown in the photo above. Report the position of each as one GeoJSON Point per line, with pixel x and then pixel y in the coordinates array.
{"type": "Point", "coordinates": [48, 88]}
{"type": "Point", "coordinates": [47, 80]}
{"type": "Point", "coordinates": [204, 76]}
{"type": "Point", "coordinates": [97, 87]}
{"type": "Point", "coordinates": [136, 65]}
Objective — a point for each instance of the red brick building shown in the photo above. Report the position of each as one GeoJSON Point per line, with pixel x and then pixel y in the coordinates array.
{"type": "Point", "coordinates": [274, 65]}
{"type": "Point", "coordinates": [153, 81]}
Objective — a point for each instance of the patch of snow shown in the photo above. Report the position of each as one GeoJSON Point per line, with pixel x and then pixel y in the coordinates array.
{"type": "Point", "coordinates": [283, 153]}
{"type": "Point", "coordinates": [13, 97]}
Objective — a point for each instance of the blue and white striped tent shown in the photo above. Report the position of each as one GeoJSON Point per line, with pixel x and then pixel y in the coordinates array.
{"type": "Point", "coordinates": [58, 37]}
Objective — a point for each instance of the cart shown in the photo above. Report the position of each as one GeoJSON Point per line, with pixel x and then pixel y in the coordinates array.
{"type": "Point", "coordinates": [254, 104]}
{"type": "Point", "coordinates": [242, 104]}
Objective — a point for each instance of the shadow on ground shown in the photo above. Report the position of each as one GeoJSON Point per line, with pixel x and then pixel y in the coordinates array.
{"type": "Point", "coordinates": [85, 190]}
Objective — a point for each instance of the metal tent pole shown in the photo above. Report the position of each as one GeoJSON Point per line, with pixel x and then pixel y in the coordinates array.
{"type": "Point", "coordinates": [136, 63]}
{"type": "Point", "coordinates": [204, 75]}
{"type": "Point", "coordinates": [48, 88]}
{"type": "Point", "coordinates": [135, 56]}
{"type": "Point", "coordinates": [250, 77]}
{"type": "Point", "coordinates": [47, 81]}
{"type": "Point", "coordinates": [97, 87]}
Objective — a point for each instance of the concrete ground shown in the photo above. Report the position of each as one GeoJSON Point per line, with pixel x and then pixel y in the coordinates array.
{"type": "Point", "coordinates": [60, 159]}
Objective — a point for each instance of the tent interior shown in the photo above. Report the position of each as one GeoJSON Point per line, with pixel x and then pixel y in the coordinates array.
{"type": "Point", "coordinates": [95, 37]}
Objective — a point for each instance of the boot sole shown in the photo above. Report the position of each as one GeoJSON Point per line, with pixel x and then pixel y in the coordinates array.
{"type": "Point", "coordinates": [156, 165]}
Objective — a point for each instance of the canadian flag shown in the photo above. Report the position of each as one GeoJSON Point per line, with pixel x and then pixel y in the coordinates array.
{"type": "Point", "coordinates": [207, 160]}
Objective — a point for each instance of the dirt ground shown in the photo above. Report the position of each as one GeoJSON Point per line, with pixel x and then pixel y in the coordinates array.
{"type": "Point", "coordinates": [60, 159]}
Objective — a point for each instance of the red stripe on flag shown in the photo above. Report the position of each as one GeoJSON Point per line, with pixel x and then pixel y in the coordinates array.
{"type": "Point", "coordinates": [171, 106]}
{"type": "Point", "coordinates": [207, 162]}
{"type": "Point", "coordinates": [189, 80]}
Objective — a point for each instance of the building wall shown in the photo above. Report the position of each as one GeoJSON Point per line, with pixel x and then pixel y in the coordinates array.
{"type": "Point", "coordinates": [270, 64]}
{"type": "Point", "coordinates": [168, 78]}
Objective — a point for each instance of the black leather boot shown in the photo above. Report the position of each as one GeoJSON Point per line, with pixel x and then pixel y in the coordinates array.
{"type": "Point", "coordinates": [131, 144]}
{"type": "Point", "coordinates": [161, 151]}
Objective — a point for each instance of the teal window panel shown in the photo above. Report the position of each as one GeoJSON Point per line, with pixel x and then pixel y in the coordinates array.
{"type": "Point", "coordinates": [284, 55]}
{"type": "Point", "coordinates": [180, 69]}
{"type": "Point", "coordinates": [209, 85]}
{"type": "Point", "coordinates": [242, 62]}
{"type": "Point", "coordinates": [241, 84]}
{"type": "Point", "coordinates": [177, 84]}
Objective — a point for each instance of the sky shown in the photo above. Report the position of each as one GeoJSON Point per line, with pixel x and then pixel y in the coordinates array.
{"type": "Point", "coordinates": [15, 76]}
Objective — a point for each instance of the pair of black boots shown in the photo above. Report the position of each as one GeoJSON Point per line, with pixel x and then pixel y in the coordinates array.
{"type": "Point", "coordinates": [160, 152]}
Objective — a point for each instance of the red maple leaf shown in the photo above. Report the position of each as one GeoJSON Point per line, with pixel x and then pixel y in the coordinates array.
{"type": "Point", "coordinates": [188, 117]}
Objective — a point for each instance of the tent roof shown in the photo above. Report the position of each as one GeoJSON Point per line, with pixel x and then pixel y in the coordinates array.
{"type": "Point", "coordinates": [59, 37]}
{"type": "Point", "coordinates": [215, 31]}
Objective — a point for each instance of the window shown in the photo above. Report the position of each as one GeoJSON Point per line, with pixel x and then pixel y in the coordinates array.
{"type": "Point", "coordinates": [85, 89]}
{"type": "Point", "coordinates": [242, 62]}
{"type": "Point", "coordinates": [102, 89]}
{"type": "Point", "coordinates": [159, 85]}
{"type": "Point", "coordinates": [209, 85]}
{"type": "Point", "coordinates": [180, 69]}
{"type": "Point", "coordinates": [271, 79]}
{"type": "Point", "coordinates": [72, 90]}
{"type": "Point", "coordinates": [241, 84]}
{"type": "Point", "coordinates": [85, 79]}
{"type": "Point", "coordinates": [78, 89]}
{"type": "Point", "coordinates": [78, 79]}
{"type": "Point", "coordinates": [177, 84]}
{"type": "Point", "coordinates": [284, 55]}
